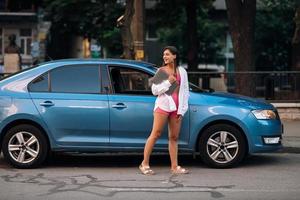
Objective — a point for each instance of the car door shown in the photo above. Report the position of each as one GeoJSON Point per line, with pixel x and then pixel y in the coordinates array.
{"type": "Point", "coordinates": [131, 106]}
{"type": "Point", "coordinates": [70, 101]}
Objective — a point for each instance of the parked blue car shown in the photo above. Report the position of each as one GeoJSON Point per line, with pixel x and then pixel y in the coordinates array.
{"type": "Point", "coordinates": [107, 106]}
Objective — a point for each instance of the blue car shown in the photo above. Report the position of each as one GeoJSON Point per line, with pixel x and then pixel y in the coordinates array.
{"type": "Point", "coordinates": [79, 105]}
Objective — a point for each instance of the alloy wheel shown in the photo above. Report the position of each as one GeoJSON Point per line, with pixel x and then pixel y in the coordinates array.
{"type": "Point", "coordinates": [23, 147]}
{"type": "Point", "coordinates": [222, 147]}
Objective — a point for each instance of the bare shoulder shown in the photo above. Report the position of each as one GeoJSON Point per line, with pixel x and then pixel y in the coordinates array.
{"type": "Point", "coordinates": [162, 68]}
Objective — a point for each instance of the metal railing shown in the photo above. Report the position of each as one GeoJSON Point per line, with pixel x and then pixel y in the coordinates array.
{"type": "Point", "coordinates": [274, 86]}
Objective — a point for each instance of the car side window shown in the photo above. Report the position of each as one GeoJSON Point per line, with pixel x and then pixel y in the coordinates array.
{"type": "Point", "coordinates": [129, 81]}
{"type": "Point", "coordinates": [40, 84]}
{"type": "Point", "coordinates": [76, 79]}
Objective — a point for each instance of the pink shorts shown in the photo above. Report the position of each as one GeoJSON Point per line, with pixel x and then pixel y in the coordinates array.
{"type": "Point", "coordinates": [176, 100]}
{"type": "Point", "coordinates": [173, 113]}
{"type": "Point", "coordinates": [170, 114]}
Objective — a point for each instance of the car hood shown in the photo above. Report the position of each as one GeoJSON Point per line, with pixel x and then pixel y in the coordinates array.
{"type": "Point", "coordinates": [237, 99]}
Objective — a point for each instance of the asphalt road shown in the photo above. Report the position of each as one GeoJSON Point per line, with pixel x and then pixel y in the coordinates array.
{"type": "Point", "coordinates": [264, 176]}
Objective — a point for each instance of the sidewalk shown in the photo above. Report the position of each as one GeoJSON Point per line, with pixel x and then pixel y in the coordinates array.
{"type": "Point", "coordinates": [291, 136]}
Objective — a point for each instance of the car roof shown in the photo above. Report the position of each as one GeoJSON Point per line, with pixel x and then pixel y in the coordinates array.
{"type": "Point", "coordinates": [44, 66]}
{"type": "Point", "coordinates": [96, 60]}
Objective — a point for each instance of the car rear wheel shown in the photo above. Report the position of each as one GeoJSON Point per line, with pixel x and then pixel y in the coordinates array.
{"type": "Point", "coordinates": [222, 146]}
{"type": "Point", "coordinates": [25, 146]}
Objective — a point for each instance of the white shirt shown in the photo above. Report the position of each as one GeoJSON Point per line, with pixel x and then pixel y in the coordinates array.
{"type": "Point", "coordinates": [166, 102]}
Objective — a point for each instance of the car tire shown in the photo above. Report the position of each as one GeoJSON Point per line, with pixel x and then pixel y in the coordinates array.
{"type": "Point", "coordinates": [25, 146]}
{"type": "Point", "coordinates": [222, 146]}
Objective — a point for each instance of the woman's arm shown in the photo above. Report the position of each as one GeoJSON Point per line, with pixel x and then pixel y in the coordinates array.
{"type": "Point", "coordinates": [162, 87]}
{"type": "Point", "coordinates": [185, 93]}
{"type": "Point", "coordinates": [158, 89]}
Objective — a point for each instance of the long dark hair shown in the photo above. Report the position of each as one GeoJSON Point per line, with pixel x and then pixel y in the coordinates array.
{"type": "Point", "coordinates": [174, 51]}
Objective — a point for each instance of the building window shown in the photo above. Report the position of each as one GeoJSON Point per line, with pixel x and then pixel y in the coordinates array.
{"type": "Point", "coordinates": [25, 41]}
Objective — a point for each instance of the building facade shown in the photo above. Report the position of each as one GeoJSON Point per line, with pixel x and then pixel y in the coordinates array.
{"type": "Point", "coordinates": [24, 20]}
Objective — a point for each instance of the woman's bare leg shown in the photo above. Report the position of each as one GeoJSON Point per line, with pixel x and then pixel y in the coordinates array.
{"type": "Point", "coordinates": [174, 130]}
{"type": "Point", "coordinates": [158, 126]}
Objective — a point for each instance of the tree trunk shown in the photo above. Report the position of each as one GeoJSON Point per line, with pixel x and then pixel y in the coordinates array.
{"type": "Point", "coordinates": [192, 54]}
{"type": "Point", "coordinates": [137, 28]}
{"type": "Point", "coordinates": [296, 42]}
{"type": "Point", "coordinates": [296, 53]}
{"type": "Point", "coordinates": [124, 22]}
{"type": "Point", "coordinates": [241, 19]}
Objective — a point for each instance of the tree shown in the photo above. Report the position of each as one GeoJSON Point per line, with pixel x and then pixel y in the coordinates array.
{"type": "Point", "coordinates": [273, 35]}
{"type": "Point", "coordinates": [186, 10]}
{"type": "Point", "coordinates": [124, 23]}
{"type": "Point", "coordinates": [296, 41]}
{"type": "Point", "coordinates": [91, 19]}
{"type": "Point", "coordinates": [276, 49]}
{"type": "Point", "coordinates": [191, 16]}
{"type": "Point", "coordinates": [296, 50]}
{"type": "Point", "coordinates": [241, 18]}
{"type": "Point", "coordinates": [173, 30]}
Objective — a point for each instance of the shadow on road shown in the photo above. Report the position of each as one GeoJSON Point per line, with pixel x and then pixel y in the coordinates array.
{"type": "Point", "coordinates": [64, 160]}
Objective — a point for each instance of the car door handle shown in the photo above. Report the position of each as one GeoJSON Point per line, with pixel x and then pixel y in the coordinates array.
{"type": "Point", "coordinates": [119, 105]}
{"type": "Point", "coordinates": [47, 103]}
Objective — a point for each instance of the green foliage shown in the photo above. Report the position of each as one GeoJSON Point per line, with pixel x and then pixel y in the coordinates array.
{"type": "Point", "coordinates": [173, 30]}
{"type": "Point", "coordinates": [273, 34]}
{"type": "Point", "coordinates": [211, 37]}
{"type": "Point", "coordinates": [93, 19]}
{"type": "Point", "coordinates": [174, 35]}
{"type": "Point", "coordinates": [278, 5]}
{"type": "Point", "coordinates": [112, 41]}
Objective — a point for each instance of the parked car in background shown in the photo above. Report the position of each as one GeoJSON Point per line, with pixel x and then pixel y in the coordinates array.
{"type": "Point", "coordinates": [78, 105]}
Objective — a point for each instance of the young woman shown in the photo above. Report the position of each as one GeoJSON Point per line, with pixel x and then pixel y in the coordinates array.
{"type": "Point", "coordinates": [168, 108]}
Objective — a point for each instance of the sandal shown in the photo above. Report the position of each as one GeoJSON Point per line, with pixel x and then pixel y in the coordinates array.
{"type": "Point", "coordinates": [146, 170]}
{"type": "Point", "coordinates": [179, 170]}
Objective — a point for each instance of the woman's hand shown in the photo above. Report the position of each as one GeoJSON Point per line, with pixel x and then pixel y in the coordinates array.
{"type": "Point", "coordinates": [179, 118]}
{"type": "Point", "coordinates": [172, 79]}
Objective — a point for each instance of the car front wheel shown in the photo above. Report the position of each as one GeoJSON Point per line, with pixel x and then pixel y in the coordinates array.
{"type": "Point", "coordinates": [222, 146]}
{"type": "Point", "coordinates": [24, 146]}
